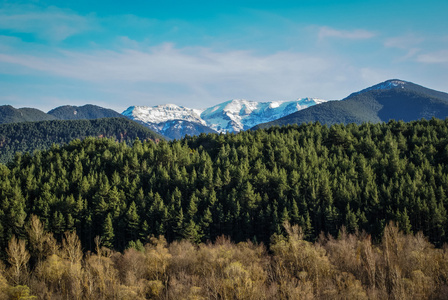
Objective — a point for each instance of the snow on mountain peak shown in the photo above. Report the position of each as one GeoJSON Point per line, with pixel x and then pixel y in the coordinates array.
{"type": "Point", "coordinates": [307, 102]}
{"type": "Point", "coordinates": [387, 85]}
{"type": "Point", "coordinates": [240, 114]}
{"type": "Point", "coordinates": [275, 104]}
{"type": "Point", "coordinates": [230, 116]}
{"type": "Point", "coordinates": [163, 113]}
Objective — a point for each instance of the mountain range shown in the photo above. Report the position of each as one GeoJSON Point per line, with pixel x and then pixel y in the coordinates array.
{"type": "Point", "coordinates": [392, 99]}
{"type": "Point", "coordinates": [175, 121]}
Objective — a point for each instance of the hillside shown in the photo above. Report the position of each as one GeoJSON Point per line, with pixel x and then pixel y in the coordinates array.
{"type": "Point", "coordinates": [390, 100]}
{"type": "Point", "coordinates": [9, 114]}
{"type": "Point", "coordinates": [30, 136]}
{"type": "Point", "coordinates": [87, 112]}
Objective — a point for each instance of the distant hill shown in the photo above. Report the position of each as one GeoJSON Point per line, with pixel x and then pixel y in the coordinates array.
{"type": "Point", "coordinates": [89, 112]}
{"type": "Point", "coordinates": [392, 99]}
{"type": "Point", "coordinates": [9, 114]}
{"type": "Point", "coordinates": [30, 136]}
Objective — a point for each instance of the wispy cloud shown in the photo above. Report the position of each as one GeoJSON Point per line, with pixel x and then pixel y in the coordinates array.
{"type": "Point", "coordinates": [438, 57]}
{"type": "Point", "coordinates": [403, 42]}
{"type": "Point", "coordinates": [165, 63]}
{"type": "Point", "coordinates": [49, 23]}
{"type": "Point", "coordinates": [193, 72]}
{"type": "Point", "coordinates": [410, 43]}
{"type": "Point", "coordinates": [357, 34]}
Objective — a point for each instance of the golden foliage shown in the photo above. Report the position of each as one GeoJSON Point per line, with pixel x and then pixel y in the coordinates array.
{"type": "Point", "coordinates": [18, 258]}
{"type": "Point", "coordinates": [349, 267]}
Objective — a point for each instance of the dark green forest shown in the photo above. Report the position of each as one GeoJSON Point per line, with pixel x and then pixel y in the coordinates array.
{"type": "Point", "coordinates": [30, 136]}
{"type": "Point", "coordinates": [244, 185]}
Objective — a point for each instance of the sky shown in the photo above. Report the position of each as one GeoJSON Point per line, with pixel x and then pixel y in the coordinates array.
{"type": "Point", "coordinates": [197, 54]}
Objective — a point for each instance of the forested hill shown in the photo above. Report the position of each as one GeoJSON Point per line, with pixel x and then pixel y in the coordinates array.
{"type": "Point", "coordinates": [30, 136]}
{"type": "Point", "coordinates": [9, 114]}
{"type": "Point", "coordinates": [242, 185]}
{"type": "Point", "coordinates": [88, 111]}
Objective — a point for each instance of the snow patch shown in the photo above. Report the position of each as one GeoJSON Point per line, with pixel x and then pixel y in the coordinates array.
{"type": "Point", "coordinates": [387, 85]}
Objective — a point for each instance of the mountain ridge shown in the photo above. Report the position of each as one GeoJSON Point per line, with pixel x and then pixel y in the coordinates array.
{"type": "Point", "coordinates": [392, 99]}
{"type": "Point", "coordinates": [85, 112]}
{"type": "Point", "coordinates": [230, 116]}
{"type": "Point", "coordinates": [9, 114]}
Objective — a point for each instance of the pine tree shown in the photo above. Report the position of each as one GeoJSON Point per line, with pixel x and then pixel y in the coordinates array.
{"type": "Point", "coordinates": [205, 225]}
{"type": "Point", "coordinates": [178, 226]}
{"type": "Point", "coordinates": [108, 232]}
{"type": "Point", "coordinates": [403, 221]}
{"type": "Point", "coordinates": [295, 215]}
{"type": "Point", "coordinates": [132, 222]}
{"type": "Point", "coordinates": [191, 232]}
{"type": "Point", "coordinates": [58, 223]}
{"type": "Point", "coordinates": [351, 221]}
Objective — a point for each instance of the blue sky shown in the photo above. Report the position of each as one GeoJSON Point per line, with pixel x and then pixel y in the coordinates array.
{"type": "Point", "coordinates": [199, 53]}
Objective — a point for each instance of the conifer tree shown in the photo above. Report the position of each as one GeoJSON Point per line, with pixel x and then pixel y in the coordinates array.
{"type": "Point", "coordinates": [132, 222]}
{"type": "Point", "coordinates": [108, 232]}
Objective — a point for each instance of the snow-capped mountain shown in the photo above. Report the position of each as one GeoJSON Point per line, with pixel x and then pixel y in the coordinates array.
{"type": "Point", "coordinates": [230, 116]}
{"type": "Point", "coordinates": [386, 85]}
{"type": "Point", "coordinates": [170, 120]}
{"type": "Point", "coordinates": [163, 113]}
{"type": "Point", "coordinates": [236, 115]}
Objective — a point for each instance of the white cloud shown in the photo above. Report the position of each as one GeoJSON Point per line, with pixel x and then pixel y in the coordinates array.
{"type": "Point", "coordinates": [49, 23]}
{"type": "Point", "coordinates": [403, 42]}
{"type": "Point", "coordinates": [165, 63]}
{"type": "Point", "coordinates": [408, 43]}
{"type": "Point", "coordinates": [439, 57]}
{"type": "Point", "coordinates": [190, 76]}
{"type": "Point", "coordinates": [357, 34]}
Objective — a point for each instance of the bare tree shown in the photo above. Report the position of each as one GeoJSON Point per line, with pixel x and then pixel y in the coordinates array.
{"type": "Point", "coordinates": [18, 257]}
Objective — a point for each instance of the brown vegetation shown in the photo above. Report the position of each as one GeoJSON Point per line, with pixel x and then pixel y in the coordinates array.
{"type": "Point", "coordinates": [349, 267]}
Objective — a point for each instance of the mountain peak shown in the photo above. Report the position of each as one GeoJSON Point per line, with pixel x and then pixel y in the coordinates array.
{"type": "Point", "coordinates": [393, 99]}
{"type": "Point", "coordinates": [388, 85]}
{"type": "Point", "coordinates": [87, 111]}
{"type": "Point", "coordinates": [162, 113]}
{"type": "Point", "coordinates": [230, 116]}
